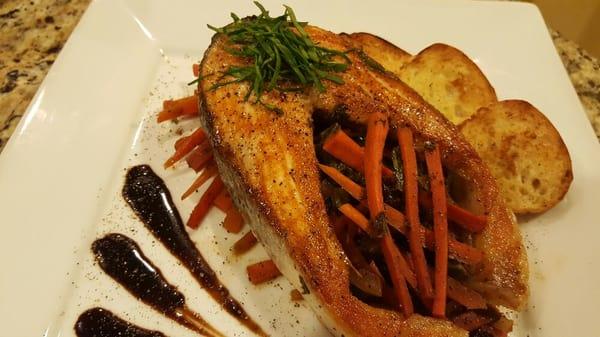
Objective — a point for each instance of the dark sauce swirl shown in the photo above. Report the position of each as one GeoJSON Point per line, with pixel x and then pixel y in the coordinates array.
{"type": "Point", "coordinates": [150, 199]}
{"type": "Point", "coordinates": [99, 322]}
{"type": "Point", "coordinates": [122, 259]}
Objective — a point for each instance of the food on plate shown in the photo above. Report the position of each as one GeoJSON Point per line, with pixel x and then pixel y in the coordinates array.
{"type": "Point", "coordinates": [99, 322]}
{"type": "Point", "coordinates": [122, 259]}
{"type": "Point", "coordinates": [537, 174]}
{"type": "Point", "coordinates": [151, 201]}
{"type": "Point", "coordinates": [408, 236]}
{"type": "Point", "coordinates": [443, 75]}
{"type": "Point", "coordinates": [390, 56]}
{"type": "Point", "coordinates": [448, 80]}
{"type": "Point", "coordinates": [524, 152]}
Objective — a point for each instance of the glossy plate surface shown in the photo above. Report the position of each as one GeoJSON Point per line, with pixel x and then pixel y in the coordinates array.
{"type": "Point", "coordinates": [93, 117]}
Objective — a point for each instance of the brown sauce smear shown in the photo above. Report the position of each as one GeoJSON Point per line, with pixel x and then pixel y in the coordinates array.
{"type": "Point", "coordinates": [99, 322]}
{"type": "Point", "coordinates": [149, 197]}
{"type": "Point", "coordinates": [123, 260]}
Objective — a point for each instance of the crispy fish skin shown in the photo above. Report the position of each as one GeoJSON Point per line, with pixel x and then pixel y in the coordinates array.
{"type": "Point", "coordinates": [269, 166]}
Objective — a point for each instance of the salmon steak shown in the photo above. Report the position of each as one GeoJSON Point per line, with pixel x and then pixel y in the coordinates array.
{"type": "Point", "coordinates": [268, 161]}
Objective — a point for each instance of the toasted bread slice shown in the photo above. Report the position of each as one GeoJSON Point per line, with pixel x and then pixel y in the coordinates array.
{"type": "Point", "coordinates": [448, 80]}
{"type": "Point", "coordinates": [524, 152]}
{"type": "Point", "coordinates": [391, 57]}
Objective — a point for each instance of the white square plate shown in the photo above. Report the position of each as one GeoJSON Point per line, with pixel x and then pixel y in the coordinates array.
{"type": "Point", "coordinates": [61, 172]}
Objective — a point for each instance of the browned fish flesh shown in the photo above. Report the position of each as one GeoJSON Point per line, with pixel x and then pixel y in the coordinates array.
{"type": "Point", "coordinates": [269, 166]}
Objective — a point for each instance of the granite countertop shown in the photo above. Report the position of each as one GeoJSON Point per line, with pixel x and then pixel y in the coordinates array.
{"type": "Point", "coordinates": [33, 32]}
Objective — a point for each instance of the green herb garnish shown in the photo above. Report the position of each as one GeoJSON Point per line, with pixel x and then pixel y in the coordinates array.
{"type": "Point", "coordinates": [282, 56]}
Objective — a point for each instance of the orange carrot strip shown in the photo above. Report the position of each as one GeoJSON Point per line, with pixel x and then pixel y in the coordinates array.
{"type": "Point", "coordinates": [245, 243]}
{"type": "Point", "coordinates": [345, 149]}
{"type": "Point", "coordinates": [196, 69]}
{"type": "Point", "coordinates": [190, 143]}
{"type": "Point", "coordinates": [440, 229]}
{"type": "Point", "coordinates": [411, 188]}
{"type": "Point", "coordinates": [458, 250]}
{"type": "Point", "coordinates": [209, 171]}
{"type": "Point", "coordinates": [179, 142]}
{"type": "Point", "coordinates": [355, 190]}
{"type": "Point", "coordinates": [356, 216]}
{"type": "Point", "coordinates": [200, 157]}
{"type": "Point", "coordinates": [234, 222]}
{"type": "Point", "coordinates": [390, 254]}
{"type": "Point", "coordinates": [168, 114]}
{"type": "Point", "coordinates": [262, 271]}
{"type": "Point", "coordinates": [465, 219]}
{"type": "Point", "coordinates": [464, 295]}
{"type": "Point", "coordinates": [377, 130]}
{"type": "Point", "coordinates": [187, 106]}
{"type": "Point", "coordinates": [223, 201]}
{"type": "Point", "coordinates": [396, 219]}
{"type": "Point", "coordinates": [205, 203]}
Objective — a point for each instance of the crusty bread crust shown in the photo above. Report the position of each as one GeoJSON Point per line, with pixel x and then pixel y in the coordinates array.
{"type": "Point", "coordinates": [524, 152]}
{"type": "Point", "coordinates": [448, 79]}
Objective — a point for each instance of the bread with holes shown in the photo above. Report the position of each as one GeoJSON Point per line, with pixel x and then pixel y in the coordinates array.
{"type": "Point", "coordinates": [524, 152]}
{"type": "Point", "coordinates": [449, 80]}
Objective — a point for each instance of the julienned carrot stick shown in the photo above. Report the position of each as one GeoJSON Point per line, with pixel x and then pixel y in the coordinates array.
{"type": "Point", "coordinates": [245, 243]}
{"type": "Point", "coordinates": [390, 255]}
{"type": "Point", "coordinates": [377, 130]}
{"type": "Point", "coordinates": [196, 69]}
{"type": "Point", "coordinates": [396, 219]}
{"type": "Point", "coordinates": [440, 229]}
{"type": "Point", "coordinates": [209, 171]}
{"type": "Point", "coordinates": [206, 201]}
{"type": "Point", "coordinates": [340, 145]}
{"type": "Point", "coordinates": [223, 201]}
{"type": "Point", "coordinates": [411, 188]}
{"type": "Point", "coordinates": [465, 219]}
{"type": "Point", "coordinates": [356, 216]}
{"type": "Point", "coordinates": [200, 157]}
{"type": "Point", "coordinates": [458, 250]}
{"type": "Point", "coordinates": [186, 147]}
{"type": "Point", "coordinates": [345, 149]}
{"type": "Point", "coordinates": [262, 271]}
{"type": "Point", "coordinates": [464, 295]}
{"type": "Point", "coordinates": [234, 222]}
{"type": "Point", "coordinates": [179, 142]}
{"type": "Point", "coordinates": [187, 106]}
{"type": "Point", "coordinates": [355, 190]}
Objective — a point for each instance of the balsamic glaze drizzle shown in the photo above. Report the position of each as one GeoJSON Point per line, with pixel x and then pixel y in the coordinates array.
{"type": "Point", "coordinates": [99, 322]}
{"type": "Point", "coordinates": [150, 199]}
{"type": "Point", "coordinates": [122, 259]}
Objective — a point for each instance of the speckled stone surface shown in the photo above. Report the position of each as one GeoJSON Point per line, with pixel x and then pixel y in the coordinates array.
{"type": "Point", "coordinates": [31, 35]}
{"type": "Point", "coordinates": [33, 32]}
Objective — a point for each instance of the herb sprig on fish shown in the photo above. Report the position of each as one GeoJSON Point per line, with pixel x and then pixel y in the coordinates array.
{"type": "Point", "coordinates": [283, 57]}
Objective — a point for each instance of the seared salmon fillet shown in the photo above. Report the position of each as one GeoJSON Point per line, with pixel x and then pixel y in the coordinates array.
{"type": "Point", "coordinates": [269, 166]}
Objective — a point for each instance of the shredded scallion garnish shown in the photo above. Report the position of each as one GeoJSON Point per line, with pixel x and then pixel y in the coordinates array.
{"type": "Point", "coordinates": [281, 55]}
